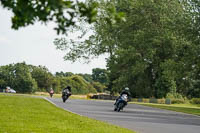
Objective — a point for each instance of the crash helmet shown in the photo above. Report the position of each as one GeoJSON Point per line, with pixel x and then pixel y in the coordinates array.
{"type": "Point", "coordinates": [126, 88]}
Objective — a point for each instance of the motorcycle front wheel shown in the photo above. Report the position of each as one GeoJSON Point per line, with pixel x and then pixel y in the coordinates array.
{"type": "Point", "coordinates": [120, 106]}
{"type": "Point", "coordinates": [115, 108]}
{"type": "Point", "coordinates": [65, 98]}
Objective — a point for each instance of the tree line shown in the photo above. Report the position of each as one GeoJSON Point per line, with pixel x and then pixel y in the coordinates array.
{"type": "Point", "coordinates": [29, 79]}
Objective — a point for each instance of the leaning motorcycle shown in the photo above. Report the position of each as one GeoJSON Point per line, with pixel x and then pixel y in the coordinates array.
{"type": "Point", "coordinates": [51, 93]}
{"type": "Point", "coordinates": [121, 102]}
{"type": "Point", "coordinates": [65, 95]}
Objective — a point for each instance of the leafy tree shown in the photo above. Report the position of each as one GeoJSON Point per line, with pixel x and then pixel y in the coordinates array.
{"type": "Point", "coordinates": [66, 74]}
{"type": "Point", "coordinates": [56, 85]}
{"type": "Point", "coordinates": [63, 81]}
{"type": "Point", "coordinates": [78, 84]}
{"type": "Point", "coordinates": [154, 52]}
{"type": "Point", "coordinates": [6, 75]}
{"type": "Point", "coordinates": [91, 48]}
{"type": "Point", "coordinates": [2, 83]}
{"type": "Point", "coordinates": [150, 59]}
{"type": "Point", "coordinates": [43, 77]}
{"type": "Point", "coordinates": [100, 75]}
{"type": "Point", "coordinates": [81, 85]}
{"type": "Point", "coordinates": [64, 13]}
{"type": "Point", "coordinates": [98, 86]}
{"type": "Point", "coordinates": [193, 78]}
{"type": "Point", "coordinates": [87, 77]}
{"type": "Point", "coordinates": [18, 76]}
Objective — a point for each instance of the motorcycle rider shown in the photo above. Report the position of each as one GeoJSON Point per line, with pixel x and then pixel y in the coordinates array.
{"type": "Point", "coordinates": [51, 92]}
{"type": "Point", "coordinates": [67, 90]}
{"type": "Point", "coordinates": [125, 91]}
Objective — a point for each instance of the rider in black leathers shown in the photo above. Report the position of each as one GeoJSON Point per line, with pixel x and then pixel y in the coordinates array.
{"type": "Point", "coordinates": [125, 91]}
{"type": "Point", "coordinates": [67, 90]}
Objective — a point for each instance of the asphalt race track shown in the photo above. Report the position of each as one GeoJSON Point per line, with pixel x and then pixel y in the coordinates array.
{"type": "Point", "coordinates": [135, 117]}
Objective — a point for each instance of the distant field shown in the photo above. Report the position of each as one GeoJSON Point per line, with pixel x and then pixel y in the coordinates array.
{"type": "Point", "coordinates": [22, 114]}
{"type": "Point", "coordinates": [184, 108]}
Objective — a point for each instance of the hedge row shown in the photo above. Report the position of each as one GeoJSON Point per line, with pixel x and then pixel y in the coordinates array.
{"type": "Point", "coordinates": [166, 101]}
{"type": "Point", "coordinates": [146, 100]}
{"type": "Point", "coordinates": [195, 101]}
{"type": "Point", "coordinates": [152, 100]}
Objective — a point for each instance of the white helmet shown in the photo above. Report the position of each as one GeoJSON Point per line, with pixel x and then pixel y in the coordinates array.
{"type": "Point", "coordinates": [126, 88]}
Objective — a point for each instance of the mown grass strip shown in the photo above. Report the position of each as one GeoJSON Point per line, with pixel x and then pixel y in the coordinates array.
{"type": "Point", "coordinates": [20, 114]}
{"type": "Point", "coordinates": [46, 94]}
{"type": "Point", "coordinates": [184, 108]}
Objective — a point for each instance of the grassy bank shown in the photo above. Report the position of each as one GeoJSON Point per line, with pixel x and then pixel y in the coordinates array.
{"type": "Point", "coordinates": [20, 114]}
{"type": "Point", "coordinates": [184, 108]}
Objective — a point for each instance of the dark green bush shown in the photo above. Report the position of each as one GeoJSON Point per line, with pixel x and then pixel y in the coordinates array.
{"type": "Point", "coordinates": [195, 101]}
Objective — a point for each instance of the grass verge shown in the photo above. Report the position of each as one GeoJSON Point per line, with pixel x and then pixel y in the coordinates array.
{"type": "Point", "coordinates": [184, 108]}
{"type": "Point", "coordinates": [46, 94]}
{"type": "Point", "coordinates": [20, 114]}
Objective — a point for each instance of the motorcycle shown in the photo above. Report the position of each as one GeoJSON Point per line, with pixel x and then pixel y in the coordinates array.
{"type": "Point", "coordinates": [65, 95]}
{"type": "Point", "coordinates": [121, 102]}
{"type": "Point", "coordinates": [51, 93]}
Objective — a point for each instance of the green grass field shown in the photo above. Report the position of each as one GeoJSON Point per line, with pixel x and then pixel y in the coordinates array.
{"type": "Point", "coordinates": [184, 108]}
{"type": "Point", "coordinates": [23, 114]}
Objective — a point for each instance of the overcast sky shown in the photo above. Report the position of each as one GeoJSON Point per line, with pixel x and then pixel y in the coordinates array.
{"type": "Point", "coordinates": [34, 45]}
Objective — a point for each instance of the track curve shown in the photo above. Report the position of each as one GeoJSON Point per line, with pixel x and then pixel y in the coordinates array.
{"type": "Point", "coordinates": [135, 117]}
